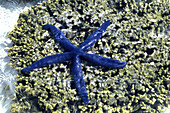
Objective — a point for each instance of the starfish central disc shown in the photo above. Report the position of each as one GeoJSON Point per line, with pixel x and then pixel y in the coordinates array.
{"type": "Point", "coordinates": [77, 51]}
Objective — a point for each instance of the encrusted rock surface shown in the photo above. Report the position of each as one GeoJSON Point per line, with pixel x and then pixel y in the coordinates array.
{"type": "Point", "coordinates": [138, 34]}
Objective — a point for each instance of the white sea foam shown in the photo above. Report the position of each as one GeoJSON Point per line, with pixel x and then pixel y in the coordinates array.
{"type": "Point", "coordinates": [9, 15]}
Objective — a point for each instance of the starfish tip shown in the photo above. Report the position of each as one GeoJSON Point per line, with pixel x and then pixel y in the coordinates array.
{"type": "Point", "coordinates": [108, 21]}
{"type": "Point", "coordinates": [46, 26]}
{"type": "Point", "coordinates": [123, 63]}
{"type": "Point", "coordinates": [24, 70]}
{"type": "Point", "coordinates": [86, 101]}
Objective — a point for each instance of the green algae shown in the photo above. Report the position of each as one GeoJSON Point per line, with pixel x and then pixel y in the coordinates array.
{"type": "Point", "coordinates": [138, 34]}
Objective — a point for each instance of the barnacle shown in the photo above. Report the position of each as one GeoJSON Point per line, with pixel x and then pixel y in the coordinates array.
{"type": "Point", "coordinates": [142, 30]}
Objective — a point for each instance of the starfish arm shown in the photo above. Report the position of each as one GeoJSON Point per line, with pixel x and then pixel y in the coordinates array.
{"type": "Point", "coordinates": [52, 59]}
{"type": "Point", "coordinates": [103, 61]}
{"type": "Point", "coordinates": [94, 37]}
{"type": "Point", "coordinates": [78, 79]}
{"type": "Point", "coordinates": [59, 36]}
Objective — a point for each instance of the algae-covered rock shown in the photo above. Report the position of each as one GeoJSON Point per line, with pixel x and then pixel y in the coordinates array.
{"type": "Point", "coordinates": [138, 34]}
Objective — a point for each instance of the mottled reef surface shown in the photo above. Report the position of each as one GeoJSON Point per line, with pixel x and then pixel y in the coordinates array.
{"type": "Point", "coordinates": [138, 33]}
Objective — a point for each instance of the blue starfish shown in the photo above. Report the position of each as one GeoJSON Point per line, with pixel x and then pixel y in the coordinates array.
{"type": "Point", "coordinates": [75, 53]}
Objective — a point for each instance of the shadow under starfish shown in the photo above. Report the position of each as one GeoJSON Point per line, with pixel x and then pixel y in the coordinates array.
{"type": "Point", "coordinates": [75, 53]}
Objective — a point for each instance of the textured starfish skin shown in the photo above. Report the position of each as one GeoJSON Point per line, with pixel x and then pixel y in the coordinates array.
{"type": "Point", "coordinates": [74, 54]}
